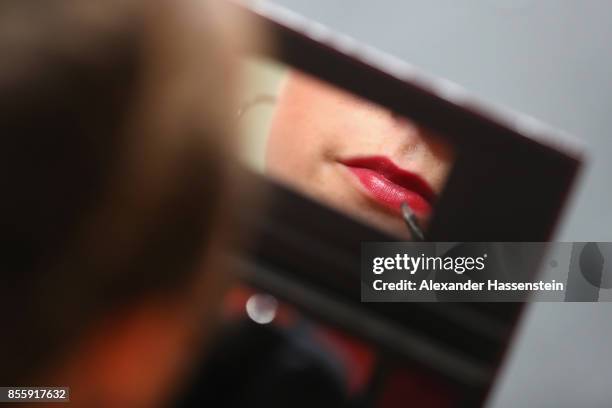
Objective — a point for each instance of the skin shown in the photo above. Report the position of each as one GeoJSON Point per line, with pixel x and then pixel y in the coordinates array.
{"type": "Point", "coordinates": [316, 126]}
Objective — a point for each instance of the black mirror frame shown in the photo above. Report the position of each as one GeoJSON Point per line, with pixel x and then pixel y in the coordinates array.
{"type": "Point", "coordinates": [510, 182]}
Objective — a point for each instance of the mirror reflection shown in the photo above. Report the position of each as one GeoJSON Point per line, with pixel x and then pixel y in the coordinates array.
{"type": "Point", "coordinates": [343, 150]}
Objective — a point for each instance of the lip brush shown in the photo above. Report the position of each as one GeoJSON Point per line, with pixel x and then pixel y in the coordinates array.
{"type": "Point", "coordinates": [412, 223]}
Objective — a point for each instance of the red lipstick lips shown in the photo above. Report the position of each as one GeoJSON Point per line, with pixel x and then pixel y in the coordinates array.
{"type": "Point", "coordinates": [390, 185]}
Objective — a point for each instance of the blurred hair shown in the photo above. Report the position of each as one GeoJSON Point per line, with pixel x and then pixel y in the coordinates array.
{"type": "Point", "coordinates": [112, 166]}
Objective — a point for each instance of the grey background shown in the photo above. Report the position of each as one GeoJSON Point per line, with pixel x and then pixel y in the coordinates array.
{"type": "Point", "coordinates": [551, 59]}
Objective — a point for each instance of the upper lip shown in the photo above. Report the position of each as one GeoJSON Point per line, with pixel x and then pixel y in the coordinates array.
{"type": "Point", "coordinates": [389, 170]}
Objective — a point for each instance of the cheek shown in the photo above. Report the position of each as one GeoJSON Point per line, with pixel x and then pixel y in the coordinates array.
{"type": "Point", "coordinates": [440, 158]}
{"type": "Point", "coordinates": [298, 143]}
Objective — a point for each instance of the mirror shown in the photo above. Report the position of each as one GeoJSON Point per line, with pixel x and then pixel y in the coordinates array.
{"type": "Point", "coordinates": [340, 149]}
{"type": "Point", "coordinates": [465, 181]}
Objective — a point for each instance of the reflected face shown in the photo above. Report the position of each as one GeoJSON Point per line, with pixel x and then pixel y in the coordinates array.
{"type": "Point", "coordinates": [356, 156]}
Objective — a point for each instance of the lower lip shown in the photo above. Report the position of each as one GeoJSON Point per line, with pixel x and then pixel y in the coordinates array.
{"type": "Point", "coordinates": [390, 194]}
